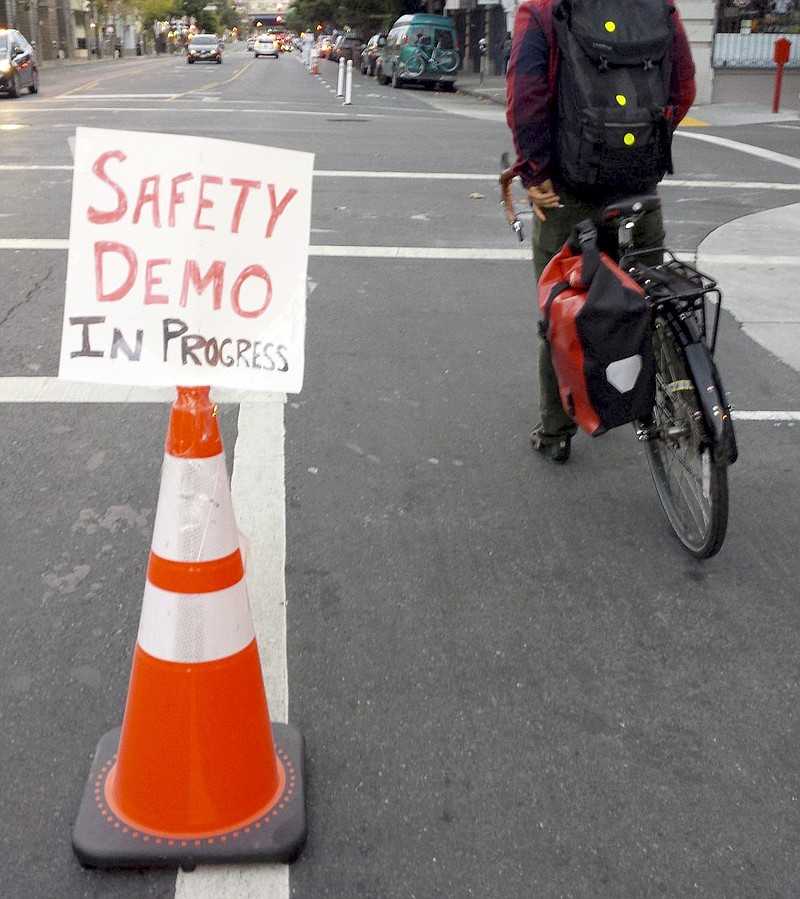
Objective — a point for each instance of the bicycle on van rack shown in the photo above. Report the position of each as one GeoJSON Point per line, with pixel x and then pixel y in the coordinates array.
{"type": "Point", "coordinates": [689, 437]}
{"type": "Point", "coordinates": [444, 61]}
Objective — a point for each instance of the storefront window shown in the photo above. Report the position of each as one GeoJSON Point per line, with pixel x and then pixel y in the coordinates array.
{"type": "Point", "coordinates": [758, 16]}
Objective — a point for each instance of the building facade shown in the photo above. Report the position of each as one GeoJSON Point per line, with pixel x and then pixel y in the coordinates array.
{"type": "Point", "coordinates": [732, 42]}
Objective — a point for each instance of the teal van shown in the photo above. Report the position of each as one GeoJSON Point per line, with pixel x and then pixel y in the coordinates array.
{"type": "Point", "coordinates": [420, 49]}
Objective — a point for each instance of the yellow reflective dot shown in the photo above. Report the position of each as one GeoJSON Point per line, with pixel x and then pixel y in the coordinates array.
{"type": "Point", "coordinates": [611, 26]}
{"type": "Point", "coordinates": [622, 99]}
{"type": "Point", "coordinates": [629, 139]}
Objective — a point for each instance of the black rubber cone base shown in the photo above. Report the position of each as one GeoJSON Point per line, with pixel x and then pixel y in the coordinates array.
{"type": "Point", "coordinates": [101, 839]}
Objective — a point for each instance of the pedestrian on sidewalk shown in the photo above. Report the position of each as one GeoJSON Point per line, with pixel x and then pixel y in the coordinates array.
{"type": "Point", "coordinates": [559, 201]}
{"type": "Point", "coordinates": [507, 42]}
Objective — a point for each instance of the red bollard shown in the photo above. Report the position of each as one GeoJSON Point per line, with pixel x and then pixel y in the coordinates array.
{"type": "Point", "coordinates": [781, 57]}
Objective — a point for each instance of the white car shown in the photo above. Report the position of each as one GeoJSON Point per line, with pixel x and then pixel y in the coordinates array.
{"type": "Point", "coordinates": [266, 45]}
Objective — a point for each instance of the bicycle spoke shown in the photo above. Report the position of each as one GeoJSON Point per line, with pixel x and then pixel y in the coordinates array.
{"type": "Point", "coordinates": [690, 482]}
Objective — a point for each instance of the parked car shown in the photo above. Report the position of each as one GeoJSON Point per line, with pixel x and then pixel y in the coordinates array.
{"type": "Point", "coordinates": [204, 48]}
{"type": "Point", "coordinates": [346, 46]}
{"type": "Point", "coordinates": [420, 49]}
{"type": "Point", "coordinates": [371, 52]}
{"type": "Point", "coordinates": [18, 68]}
{"type": "Point", "coordinates": [266, 45]}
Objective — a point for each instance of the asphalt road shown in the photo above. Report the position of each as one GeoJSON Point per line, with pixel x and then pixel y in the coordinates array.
{"type": "Point", "coordinates": [511, 679]}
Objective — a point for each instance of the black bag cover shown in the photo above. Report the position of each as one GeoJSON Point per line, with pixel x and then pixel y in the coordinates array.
{"type": "Point", "coordinates": [612, 126]}
{"type": "Point", "coordinates": [598, 324]}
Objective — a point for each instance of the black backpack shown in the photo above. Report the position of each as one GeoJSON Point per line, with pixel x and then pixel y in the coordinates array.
{"type": "Point", "coordinates": [612, 128]}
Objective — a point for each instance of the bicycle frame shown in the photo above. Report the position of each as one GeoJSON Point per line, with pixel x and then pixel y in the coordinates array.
{"type": "Point", "coordinates": [680, 293]}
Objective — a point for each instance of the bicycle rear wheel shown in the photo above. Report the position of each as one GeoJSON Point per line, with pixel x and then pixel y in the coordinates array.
{"type": "Point", "coordinates": [691, 479]}
{"type": "Point", "coordinates": [447, 61]}
{"type": "Point", "coordinates": [415, 65]}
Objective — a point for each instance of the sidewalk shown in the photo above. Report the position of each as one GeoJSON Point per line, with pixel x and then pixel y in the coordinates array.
{"type": "Point", "coordinates": [755, 257]}
{"type": "Point", "coordinates": [493, 89]}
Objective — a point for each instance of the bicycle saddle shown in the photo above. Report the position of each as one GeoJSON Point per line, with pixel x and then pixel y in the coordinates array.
{"type": "Point", "coordinates": [633, 207]}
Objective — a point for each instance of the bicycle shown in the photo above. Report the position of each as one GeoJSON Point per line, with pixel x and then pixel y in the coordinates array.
{"type": "Point", "coordinates": [689, 437]}
{"type": "Point", "coordinates": [444, 61]}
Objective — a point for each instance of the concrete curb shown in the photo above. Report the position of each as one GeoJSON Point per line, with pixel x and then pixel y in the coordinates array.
{"type": "Point", "coordinates": [757, 264]}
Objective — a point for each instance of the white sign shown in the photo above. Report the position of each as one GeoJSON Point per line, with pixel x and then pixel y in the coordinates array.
{"type": "Point", "coordinates": [187, 262]}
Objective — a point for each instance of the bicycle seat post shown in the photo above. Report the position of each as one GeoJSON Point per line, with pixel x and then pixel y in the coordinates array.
{"type": "Point", "coordinates": [625, 234]}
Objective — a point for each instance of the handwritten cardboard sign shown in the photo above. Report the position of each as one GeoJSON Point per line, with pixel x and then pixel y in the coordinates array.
{"type": "Point", "coordinates": [187, 262]}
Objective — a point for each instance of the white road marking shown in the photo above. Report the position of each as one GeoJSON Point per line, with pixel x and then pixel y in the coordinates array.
{"type": "Point", "coordinates": [765, 416]}
{"type": "Point", "coordinates": [760, 152]}
{"type": "Point", "coordinates": [258, 459]}
{"type": "Point", "coordinates": [432, 254]}
{"type": "Point", "coordinates": [54, 390]}
{"type": "Point", "coordinates": [461, 176]}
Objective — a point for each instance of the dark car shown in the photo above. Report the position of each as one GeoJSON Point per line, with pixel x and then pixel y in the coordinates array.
{"type": "Point", "coordinates": [347, 46]}
{"type": "Point", "coordinates": [204, 48]}
{"type": "Point", "coordinates": [371, 52]}
{"type": "Point", "coordinates": [18, 68]}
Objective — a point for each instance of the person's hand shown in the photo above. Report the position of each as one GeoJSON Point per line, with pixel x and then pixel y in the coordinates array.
{"type": "Point", "coordinates": [543, 196]}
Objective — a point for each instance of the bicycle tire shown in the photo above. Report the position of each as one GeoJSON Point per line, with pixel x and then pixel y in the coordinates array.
{"type": "Point", "coordinates": [415, 66]}
{"type": "Point", "coordinates": [690, 477]}
{"type": "Point", "coordinates": [447, 61]}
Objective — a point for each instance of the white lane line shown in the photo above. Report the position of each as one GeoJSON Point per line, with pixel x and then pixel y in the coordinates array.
{"type": "Point", "coordinates": [259, 499]}
{"type": "Point", "coordinates": [54, 390]}
{"type": "Point", "coordinates": [458, 176]}
{"type": "Point", "coordinates": [431, 253]}
{"type": "Point", "coordinates": [34, 243]}
{"type": "Point", "coordinates": [483, 254]}
{"type": "Point", "coordinates": [760, 152]}
{"type": "Point", "coordinates": [350, 252]}
{"type": "Point", "coordinates": [747, 259]}
{"type": "Point", "coordinates": [731, 185]}
{"type": "Point", "coordinates": [741, 415]}
{"type": "Point", "coordinates": [257, 404]}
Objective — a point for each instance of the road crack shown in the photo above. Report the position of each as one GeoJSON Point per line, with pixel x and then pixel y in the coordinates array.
{"type": "Point", "coordinates": [26, 298]}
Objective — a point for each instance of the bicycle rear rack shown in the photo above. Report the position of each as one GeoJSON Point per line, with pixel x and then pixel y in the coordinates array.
{"type": "Point", "coordinates": [679, 285]}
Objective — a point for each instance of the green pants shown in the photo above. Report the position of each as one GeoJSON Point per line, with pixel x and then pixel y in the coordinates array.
{"type": "Point", "coordinates": [548, 238]}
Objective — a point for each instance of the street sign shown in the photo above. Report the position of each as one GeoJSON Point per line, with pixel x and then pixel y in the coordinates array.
{"type": "Point", "coordinates": [187, 262]}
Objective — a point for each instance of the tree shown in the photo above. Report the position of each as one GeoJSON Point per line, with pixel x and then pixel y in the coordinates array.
{"type": "Point", "coordinates": [364, 16]}
{"type": "Point", "coordinates": [151, 11]}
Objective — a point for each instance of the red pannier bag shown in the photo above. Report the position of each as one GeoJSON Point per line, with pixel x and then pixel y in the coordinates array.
{"type": "Point", "coordinates": [598, 324]}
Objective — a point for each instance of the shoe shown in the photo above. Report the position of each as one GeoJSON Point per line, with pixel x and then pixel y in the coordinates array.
{"type": "Point", "coordinates": [557, 452]}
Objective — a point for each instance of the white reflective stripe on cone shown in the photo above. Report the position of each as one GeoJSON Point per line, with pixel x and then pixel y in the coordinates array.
{"type": "Point", "coordinates": [202, 627]}
{"type": "Point", "coordinates": [194, 519]}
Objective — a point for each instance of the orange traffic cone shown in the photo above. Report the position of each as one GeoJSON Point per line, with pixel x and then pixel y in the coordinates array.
{"type": "Point", "coordinates": [197, 774]}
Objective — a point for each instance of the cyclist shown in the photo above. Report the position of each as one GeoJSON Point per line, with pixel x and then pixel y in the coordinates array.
{"type": "Point", "coordinates": [531, 85]}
